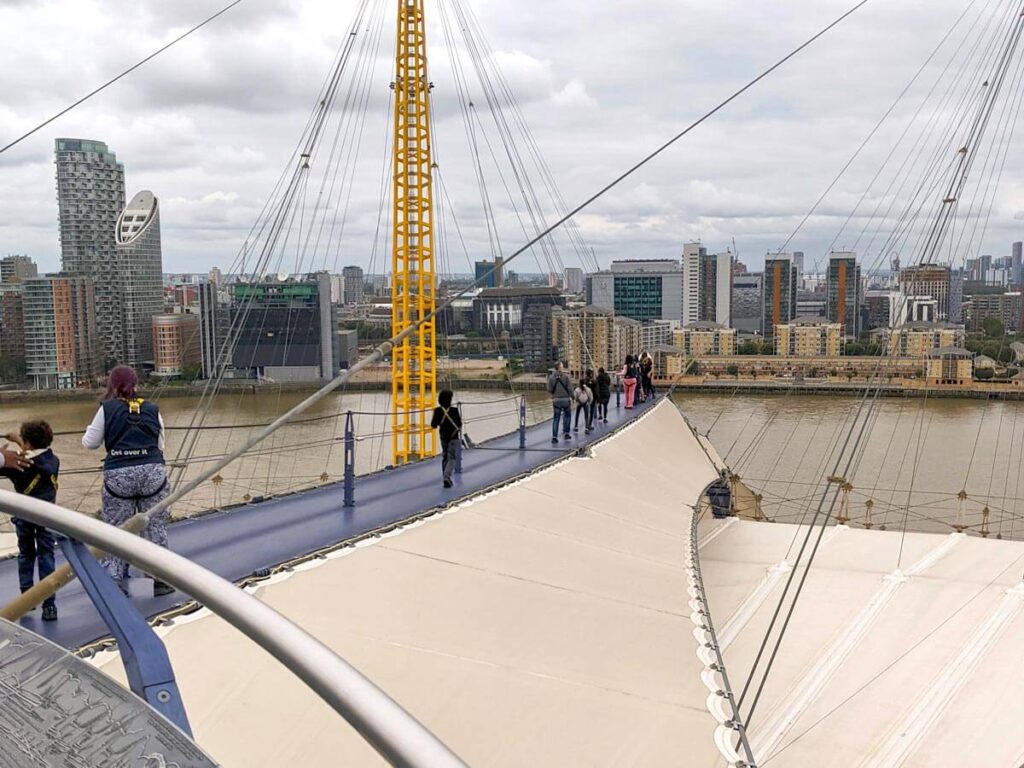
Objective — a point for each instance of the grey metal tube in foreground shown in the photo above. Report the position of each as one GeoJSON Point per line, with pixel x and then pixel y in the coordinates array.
{"type": "Point", "coordinates": [383, 723]}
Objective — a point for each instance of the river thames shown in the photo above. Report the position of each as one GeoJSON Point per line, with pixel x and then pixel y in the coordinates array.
{"type": "Point", "coordinates": [915, 458]}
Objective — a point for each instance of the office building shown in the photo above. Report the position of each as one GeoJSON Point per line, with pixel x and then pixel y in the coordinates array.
{"type": "Point", "coordinates": [638, 289]}
{"type": "Point", "coordinates": [702, 339]}
{"type": "Point", "coordinates": [1007, 308]}
{"type": "Point", "coordinates": [139, 276]}
{"type": "Point", "coordinates": [503, 309]}
{"type": "Point", "coordinates": [933, 280]}
{"type": "Point", "coordinates": [881, 309]}
{"type": "Point", "coordinates": [346, 348]}
{"type": "Point", "coordinates": [1017, 263]}
{"type": "Point", "coordinates": [488, 274]}
{"type": "Point", "coordinates": [917, 339]}
{"type": "Point", "coordinates": [285, 329]}
{"type": "Point", "coordinates": [714, 299]}
{"type": "Point", "coordinates": [176, 345]}
{"type": "Point", "coordinates": [15, 268]}
{"type": "Point", "coordinates": [91, 198]}
{"type": "Point", "coordinates": [12, 321]}
{"type": "Point", "coordinates": [809, 337]}
{"type": "Point", "coordinates": [694, 256]}
{"type": "Point", "coordinates": [779, 288]}
{"type": "Point", "coordinates": [844, 292]}
{"type": "Point", "coordinates": [573, 280]}
{"type": "Point", "coordinates": [748, 303]}
{"type": "Point", "coordinates": [798, 262]}
{"type": "Point", "coordinates": [62, 347]}
{"type": "Point", "coordinates": [354, 285]}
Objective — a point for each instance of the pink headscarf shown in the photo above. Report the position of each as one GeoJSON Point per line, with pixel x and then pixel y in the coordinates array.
{"type": "Point", "coordinates": [121, 382]}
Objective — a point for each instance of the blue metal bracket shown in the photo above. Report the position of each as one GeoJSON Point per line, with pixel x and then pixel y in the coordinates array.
{"type": "Point", "coordinates": [350, 461]}
{"type": "Point", "coordinates": [149, 671]}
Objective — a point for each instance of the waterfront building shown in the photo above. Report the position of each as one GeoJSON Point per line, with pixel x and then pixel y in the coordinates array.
{"type": "Point", "coordinates": [139, 278]}
{"type": "Point", "coordinates": [503, 309]}
{"type": "Point", "coordinates": [284, 329]}
{"type": "Point", "coordinates": [15, 268]}
{"type": "Point", "coordinates": [12, 321]}
{"type": "Point", "coordinates": [779, 288]}
{"type": "Point", "coordinates": [214, 327]}
{"type": "Point", "coordinates": [573, 280]}
{"type": "Point", "coordinates": [809, 337]}
{"type": "Point", "coordinates": [354, 286]}
{"type": "Point", "coordinates": [642, 290]}
{"type": "Point", "coordinates": [881, 308]}
{"type": "Point", "coordinates": [1007, 307]}
{"type": "Point", "coordinates": [62, 347]}
{"type": "Point", "coordinates": [747, 303]}
{"type": "Point", "coordinates": [656, 333]}
{"type": "Point", "coordinates": [919, 338]}
{"type": "Point", "coordinates": [844, 292]}
{"type": "Point", "coordinates": [539, 349]}
{"type": "Point", "coordinates": [949, 366]}
{"type": "Point", "coordinates": [694, 258]}
{"type": "Point", "coordinates": [593, 337]}
{"type": "Point", "coordinates": [90, 198]}
{"type": "Point", "coordinates": [704, 338]}
{"type": "Point", "coordinates": [934, 281]}
{"type": "Point", "coordinates": [177, 349]}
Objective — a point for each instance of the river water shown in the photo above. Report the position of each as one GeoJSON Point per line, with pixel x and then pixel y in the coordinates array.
{"type": "Point", "coordinates": [916, 457]}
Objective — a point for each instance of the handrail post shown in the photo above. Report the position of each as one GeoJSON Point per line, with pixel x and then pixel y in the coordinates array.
{"type": "Point", "coordinates": [522, 422]}
{"type": "Point", "coordinates": [458, 441]}
{"type": "Point", "coordinates": [350, 460]}
{"type": "Point", "coordinates": [618, 392]}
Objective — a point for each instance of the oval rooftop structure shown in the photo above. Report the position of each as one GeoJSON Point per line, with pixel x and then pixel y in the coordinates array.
{"type": "Point", "coordinates": [136, 217]}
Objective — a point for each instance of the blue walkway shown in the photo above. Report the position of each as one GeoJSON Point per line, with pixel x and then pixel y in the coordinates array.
{"type": "Point", "coordinates": [238, 542]}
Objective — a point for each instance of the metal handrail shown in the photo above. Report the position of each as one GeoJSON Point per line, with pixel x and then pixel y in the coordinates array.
{"type": "Point", "coordinates": [382, 722]}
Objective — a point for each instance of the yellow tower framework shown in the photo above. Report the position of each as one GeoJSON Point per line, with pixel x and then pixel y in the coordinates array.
{"type": "Point", "coordinates": [413, 377]}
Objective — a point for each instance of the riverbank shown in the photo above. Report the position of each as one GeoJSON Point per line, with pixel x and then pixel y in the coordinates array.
{"type": "Point", "coordinates": [977, 391]}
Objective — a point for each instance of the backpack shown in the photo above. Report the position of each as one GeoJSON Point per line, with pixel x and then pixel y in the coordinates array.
{"type": "Point", "coordinates": [584, 396]}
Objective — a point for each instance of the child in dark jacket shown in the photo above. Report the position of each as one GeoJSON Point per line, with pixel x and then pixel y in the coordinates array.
{"type": "Point", "coordinates": [39, 480]}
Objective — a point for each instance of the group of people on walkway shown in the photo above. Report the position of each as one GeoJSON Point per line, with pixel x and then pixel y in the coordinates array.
{"type": "Point", "coordinates": [592, 393]}
{"type": "Point", "coordinates": [131, 430]}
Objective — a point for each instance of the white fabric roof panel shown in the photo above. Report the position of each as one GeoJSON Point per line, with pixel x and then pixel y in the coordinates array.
{"type": "Point", "coordinates": [544, 624]}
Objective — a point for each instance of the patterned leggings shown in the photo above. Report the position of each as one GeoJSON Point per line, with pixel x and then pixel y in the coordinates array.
{"type": "Point", "coordinates": [139, 480]}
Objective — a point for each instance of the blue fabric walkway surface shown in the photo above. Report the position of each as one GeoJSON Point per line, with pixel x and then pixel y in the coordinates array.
{"type": "Point", "coordinates": [237, 542]}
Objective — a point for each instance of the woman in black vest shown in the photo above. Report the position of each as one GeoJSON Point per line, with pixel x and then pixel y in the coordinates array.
{"type": "Point", "coordinates": [134, 474]}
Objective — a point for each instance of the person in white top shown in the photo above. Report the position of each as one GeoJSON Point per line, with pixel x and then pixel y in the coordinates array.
{"type": "Point", "coordinates": [134, 473]}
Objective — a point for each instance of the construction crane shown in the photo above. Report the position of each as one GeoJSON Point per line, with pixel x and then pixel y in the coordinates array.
{"type": "Point", "coordinates": [413, 295]}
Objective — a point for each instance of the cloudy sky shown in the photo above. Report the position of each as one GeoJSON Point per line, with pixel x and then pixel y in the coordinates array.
{"type": "Point", "coordinates": [210, 125]}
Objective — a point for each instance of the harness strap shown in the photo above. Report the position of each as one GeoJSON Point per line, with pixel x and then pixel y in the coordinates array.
{"type": "Point", "coordinates": [137, 497]}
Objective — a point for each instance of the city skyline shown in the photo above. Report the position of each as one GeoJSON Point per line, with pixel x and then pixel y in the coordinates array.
{"type": "Point", "coordinates": [212, 175]}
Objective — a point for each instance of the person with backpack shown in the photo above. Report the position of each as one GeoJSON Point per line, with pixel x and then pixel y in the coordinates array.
{"type": "Point", "coordinates": [448, 423]}
{"type": "Point", "coordinates": [134, 474]}
{"type": "Point", "coordinates": [560, 389]}
{"type": "Point", "coordinates": [629, 375]}
{"type": "Point", "coordinates": [602, 394]}
{"type": "Point", "coordinates": [583, 396]}
{"type": "Point", "coordinates": [36, 544]}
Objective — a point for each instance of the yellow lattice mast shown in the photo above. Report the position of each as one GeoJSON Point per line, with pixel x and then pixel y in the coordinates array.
{"type": "Point", "coordinates": [413, 378]}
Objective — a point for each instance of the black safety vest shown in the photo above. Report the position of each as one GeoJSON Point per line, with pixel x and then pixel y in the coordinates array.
{"type": "Point", "coordinates": [131, 433]}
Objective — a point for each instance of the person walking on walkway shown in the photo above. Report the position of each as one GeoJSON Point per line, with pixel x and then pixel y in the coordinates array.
{"type": "Point", "coordinates": [629, 375]}
{"type": "Point", "coordinates": [560, 389]}
{"type": "Point", "coordinates": [583, 396]}
{"type": "Point", "coordinates": [602, 394]}
{"type": "Point", "coordinates": [134, 474]}
{"type": "Point", "coordinates": [448, 423]}
{"type": "Point", "coordinates": [36, 544]}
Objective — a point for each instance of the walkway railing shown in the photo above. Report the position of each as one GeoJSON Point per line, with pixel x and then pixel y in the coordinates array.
{"type": "Point", "coordinates": [384, 724]}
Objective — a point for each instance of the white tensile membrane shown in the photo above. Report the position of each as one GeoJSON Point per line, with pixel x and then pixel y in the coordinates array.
{"type": "Point", "coordinates": [552, 623]}
{"type": "Point", "coordinates": [543, 624]}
